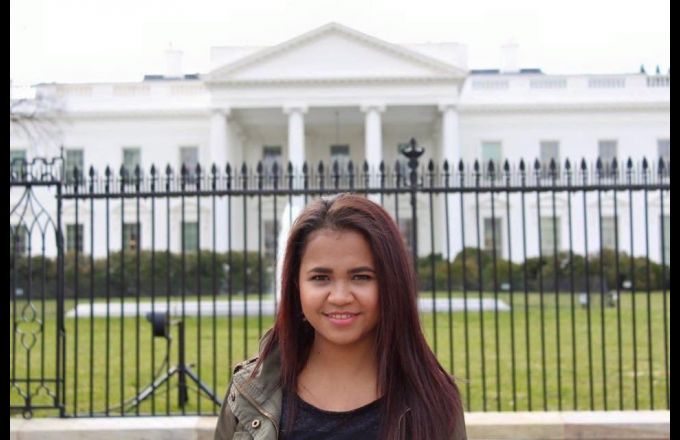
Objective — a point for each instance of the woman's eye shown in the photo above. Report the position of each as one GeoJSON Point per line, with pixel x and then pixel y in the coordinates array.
{"type": "Point", "coordinates": [363, 277]}
{"type": "Point", "coordinates": [319, 278]}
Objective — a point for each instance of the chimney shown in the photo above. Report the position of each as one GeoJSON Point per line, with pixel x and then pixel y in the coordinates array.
{"type": "Point", "coordinates": [509, 62]}
{"type": "Point", "coordinates": [173, 63]}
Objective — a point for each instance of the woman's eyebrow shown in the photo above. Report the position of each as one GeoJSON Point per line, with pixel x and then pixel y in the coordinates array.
{"type": "Point", "coordinates": [361, 269]}
{"type": "Point", "coordinates": [329, 270]}
{"type": "Point", "coordinates": [320, 270]}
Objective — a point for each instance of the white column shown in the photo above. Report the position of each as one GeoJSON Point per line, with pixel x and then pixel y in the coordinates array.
{"type": "Point", "coordinates": [373, 134]}
{"type": "Point", "coordinates": [373, 142]}
{"type": "Point", "coordinates": [296, 135]}
{"type": "Point", "coordinates": [296, 155]}
{"type": "Point", "coordinates": [450, 147]}
{"type": "Point", "coordinates": [220, 150]}
{"type": "Point", "coordinates": [451, 152]}
{"type": "Point", "coordinates": [220, 153]}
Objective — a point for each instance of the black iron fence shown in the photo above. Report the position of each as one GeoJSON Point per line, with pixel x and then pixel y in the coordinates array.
{"type": "Point", "coordinates": [134, 293]}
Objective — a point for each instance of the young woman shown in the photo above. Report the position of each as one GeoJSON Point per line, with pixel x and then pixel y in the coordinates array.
{"type": "Point", "coordinates": [346, 358]}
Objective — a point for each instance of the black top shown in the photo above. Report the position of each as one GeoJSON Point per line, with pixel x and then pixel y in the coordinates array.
{"type": "Point", "coordinates": [312, 423]}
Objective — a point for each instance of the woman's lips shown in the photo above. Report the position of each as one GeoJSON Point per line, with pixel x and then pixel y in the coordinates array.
{"type": "Point", "coordinates": [341, 318]}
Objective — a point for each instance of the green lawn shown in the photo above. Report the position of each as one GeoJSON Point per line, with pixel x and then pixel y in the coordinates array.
{"type": "Point", "coordinates": [484, 366]}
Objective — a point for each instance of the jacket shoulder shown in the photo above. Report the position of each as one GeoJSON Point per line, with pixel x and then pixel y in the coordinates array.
{"type": "Point", "coordinates": [246, 365]}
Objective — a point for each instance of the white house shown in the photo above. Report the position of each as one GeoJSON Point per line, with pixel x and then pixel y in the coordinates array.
{"type": "Point", "coordinates": [336, 93]}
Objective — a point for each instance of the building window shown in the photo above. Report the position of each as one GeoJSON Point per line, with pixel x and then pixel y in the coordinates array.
{"type": "Point", "coordinates": [188, 157]}
{"type": "Point", "coordinates": [17, 163]}
{"type": "Point", "coordinates": [271, 154]}
{"type": "Point", "coordinates": [406, 229]}
{"type": "Point", "coordinates": [609, 232]}
{"type": "Point", "coordinates": [492, 152]}
{"type": "Point", "coordinates": [131, 160]}
{"type": "Point", "coordinates": [550, 150]}
{"type": "Point", "coordinates": [550, 235]}
{"type": "Point", "coordinates": [493, 234]}
{"type": "Point", "coordinates": [18, 240]}
{"type": "Point", "coordinates": [664, 147]}
{"type": "Point", "coordinates": [607, 151]}
{"type": "Point", "coordinates": [74, 238]}
{"type": "Point", "coordinates": [271, 228]}
{"type": "Point", "coordinates": [131, 236]}
{"type": "Point", "coordinates": [190, 236]}
{"type": "Point", "coordinates": [666, 239]}
{"type": "Point", "coordinates": [73, 161]}
{"type": "Point", "coordinates": [340, 154]}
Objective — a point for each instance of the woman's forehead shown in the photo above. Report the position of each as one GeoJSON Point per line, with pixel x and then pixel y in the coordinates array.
{"type": "Point", "coordinates": [328, 234]}
{"type": "Point", "coordinates": [329, 245]}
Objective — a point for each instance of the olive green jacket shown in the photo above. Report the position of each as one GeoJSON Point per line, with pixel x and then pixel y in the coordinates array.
{"type": "Point", "coordinates": [252, 409]}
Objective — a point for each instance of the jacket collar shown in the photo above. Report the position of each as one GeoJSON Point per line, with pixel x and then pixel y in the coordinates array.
{"type": "Point", "coordinates": [264, 388]}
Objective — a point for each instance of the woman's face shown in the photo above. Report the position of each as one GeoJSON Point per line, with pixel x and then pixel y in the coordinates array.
{"type": "Point", "coordinates": [339, 287]}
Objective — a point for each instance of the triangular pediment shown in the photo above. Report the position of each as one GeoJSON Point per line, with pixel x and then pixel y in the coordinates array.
{"type": "Point", "coordinates": [334, 52]}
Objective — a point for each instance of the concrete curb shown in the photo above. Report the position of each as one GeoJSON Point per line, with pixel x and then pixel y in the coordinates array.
{"type": "Point", "coordinates": [596, 425]}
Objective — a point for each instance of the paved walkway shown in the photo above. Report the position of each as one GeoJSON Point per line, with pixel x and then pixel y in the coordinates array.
{"type": "Point", "coordinates": [252, 307]}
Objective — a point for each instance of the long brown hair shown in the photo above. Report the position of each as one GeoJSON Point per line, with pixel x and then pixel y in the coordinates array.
{"type": "Point", "coordinates": [409, 374]}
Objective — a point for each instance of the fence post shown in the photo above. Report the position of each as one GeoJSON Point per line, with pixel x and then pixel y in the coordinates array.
{"type": "Point", "coordinates": [413, 152]}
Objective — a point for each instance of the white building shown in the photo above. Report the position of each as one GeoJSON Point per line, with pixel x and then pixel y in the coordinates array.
{"type": "Point", "coordinates": [336, 93]}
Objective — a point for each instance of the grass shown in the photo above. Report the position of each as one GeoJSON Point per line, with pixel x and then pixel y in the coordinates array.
{"type": "Point", "coordinates": [109, 362]}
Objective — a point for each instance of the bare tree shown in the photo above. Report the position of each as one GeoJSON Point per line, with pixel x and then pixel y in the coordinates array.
{"type": "Point", "coordinates": [36, 118]}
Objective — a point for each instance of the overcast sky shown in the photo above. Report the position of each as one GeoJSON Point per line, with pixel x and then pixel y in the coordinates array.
{"type": "Point", "coordinates": [98, 40]}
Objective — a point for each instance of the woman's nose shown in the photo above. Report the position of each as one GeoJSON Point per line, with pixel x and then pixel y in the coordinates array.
{"type": "Point", "coordinates": [340, 292]}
